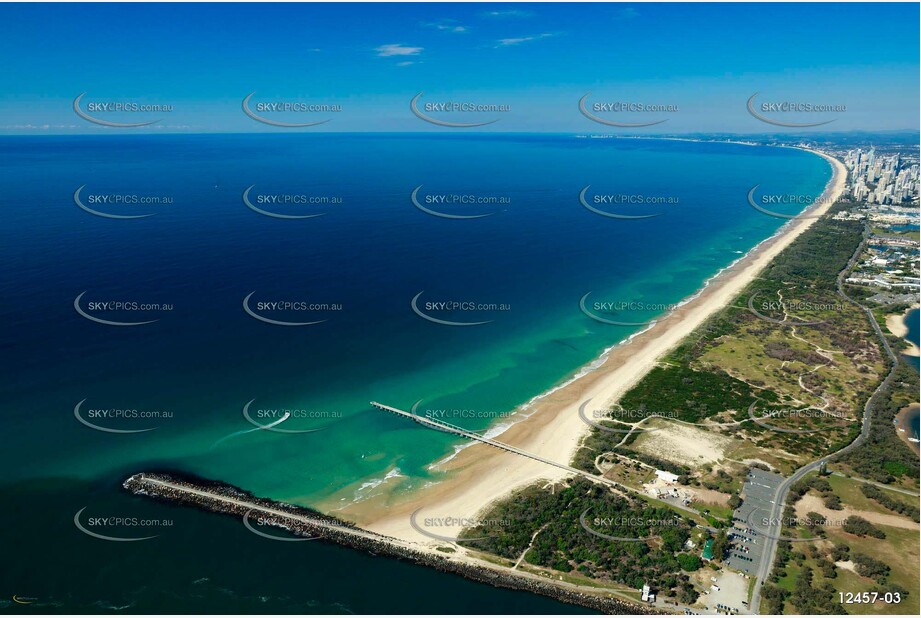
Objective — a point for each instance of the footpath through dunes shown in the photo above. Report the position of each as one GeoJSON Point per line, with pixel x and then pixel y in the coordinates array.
{"type": "Point", "coordinates": [221, 498]}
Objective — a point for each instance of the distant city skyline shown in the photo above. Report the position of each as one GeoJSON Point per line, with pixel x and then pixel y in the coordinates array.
{"type": "Point", "coordinates": [529, 64]}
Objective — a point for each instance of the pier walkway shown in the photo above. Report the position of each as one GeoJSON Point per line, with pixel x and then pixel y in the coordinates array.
{"type": "Point", "coordinates": [470, 435]}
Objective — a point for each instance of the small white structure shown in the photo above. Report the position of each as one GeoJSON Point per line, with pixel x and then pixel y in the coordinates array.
{"type": "Point", "coordinates": [667, 477]}
{"type": "Point", "coordinates": [648, 595]}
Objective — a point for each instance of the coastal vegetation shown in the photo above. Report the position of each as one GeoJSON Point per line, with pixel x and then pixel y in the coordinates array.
{"type": "Point", "coordinates": [546, 527]}
{"type": "Point", "coordinates": [886, 500]}
{"type": "Point", "coordinates": [678, 392]}
{"type": "Point", "coordinates": [866, 556]}
{"type": "Point", "coordinates": [802, 360]}
{"type": "Point", "coordinates": [846, 554]}
{"type": "Point", "coordinates": [788, 351]}
{"type": "Point", "coordinates": [883, 457]}
{"type": "Point", "coordinates": [859, 526]}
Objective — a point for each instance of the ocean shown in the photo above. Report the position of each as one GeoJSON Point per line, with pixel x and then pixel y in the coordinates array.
{"type": "Point", "coordinates": [377, 272]}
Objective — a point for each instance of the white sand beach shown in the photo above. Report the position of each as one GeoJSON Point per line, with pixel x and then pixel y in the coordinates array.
{"type": "Point", "coordinates": [895, 323]}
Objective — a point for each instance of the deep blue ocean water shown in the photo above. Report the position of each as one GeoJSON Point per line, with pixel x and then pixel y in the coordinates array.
{"type": "Point", "coordinates": [538, 252]}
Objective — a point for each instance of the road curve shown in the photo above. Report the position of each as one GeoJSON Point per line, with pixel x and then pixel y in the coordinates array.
{"type": "Point", "coordinates": [780, 495]}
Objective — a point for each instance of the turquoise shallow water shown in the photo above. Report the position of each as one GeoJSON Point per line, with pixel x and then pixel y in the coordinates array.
{"type": "Point", "coordinates": [539, 252]}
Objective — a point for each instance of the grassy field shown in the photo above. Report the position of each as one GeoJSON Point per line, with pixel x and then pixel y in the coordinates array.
{"type": "Point", "coordinates": [783, 462]}
{"type": "Point", "coordinates": [789, 580]}
{"type": "Point", "coordinates": [849, 492]}
{"type": "Point", "coordinates": [717, 510]}
{"type": "Point", "coordinates": [796, 368]}
{"type": "Point", "coordinates": [629, 473]}
{"type": "Point", "coordinates": [900, 551]}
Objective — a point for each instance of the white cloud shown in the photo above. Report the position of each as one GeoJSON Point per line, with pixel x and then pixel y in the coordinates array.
{"type": "Point", "coordinates": [405, 63]}
{"type": "Point", "coordinates": [397, 49]}
{"type": "Point", "coordinates": [510, 13]}
{"type": "Point", "coordinates": [523, 39]}
{"type": "Point", "coordinates": [447, 25]}
{"type": "Point", "coordinates": [39, 127]}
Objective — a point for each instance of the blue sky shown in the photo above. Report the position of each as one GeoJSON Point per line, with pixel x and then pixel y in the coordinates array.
{"type": "Point", "coordinates": [538, 59]}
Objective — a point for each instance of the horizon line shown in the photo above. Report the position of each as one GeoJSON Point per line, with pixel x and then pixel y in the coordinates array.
{"type": "Point", "coordinates": [31, 133]}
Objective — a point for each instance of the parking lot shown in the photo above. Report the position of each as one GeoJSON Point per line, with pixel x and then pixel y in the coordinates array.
{"type": "Point", "coordinates": [728, 594]}
{"type": "Point", "coordinates": [746, 543]}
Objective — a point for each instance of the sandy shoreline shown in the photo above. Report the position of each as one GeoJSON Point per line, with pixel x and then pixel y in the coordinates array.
{"type": "Point", "coordinates": [480, 475]}
{"type": "Point", "coordinates": [896, 325]}
{"type": "Point", "coordinates": [901, 423]}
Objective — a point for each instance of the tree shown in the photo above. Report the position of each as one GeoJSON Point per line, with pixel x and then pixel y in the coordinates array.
{"type": "Point", "coordinates": [689, 562]}
{"type": "Point", "coordinates": [814, 521]}
{"type": "Point", "coordinates": [861, 527]}
{"type": "Point", "coordinates": [720, 545]}
{"type": "Point", "coordinates": [841, 553]}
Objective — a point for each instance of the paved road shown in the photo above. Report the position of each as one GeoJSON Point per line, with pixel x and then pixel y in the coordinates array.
{"type": "Point", "coordinates": [767, 559]}
{"type": "Point", "coordinates": [907, 492]}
